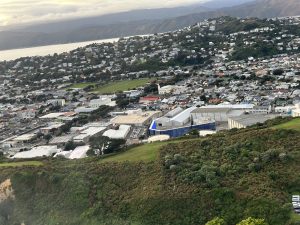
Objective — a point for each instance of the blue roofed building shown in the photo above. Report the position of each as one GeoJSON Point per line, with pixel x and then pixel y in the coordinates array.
{"type": "Point", "coordinates": [179, 122]}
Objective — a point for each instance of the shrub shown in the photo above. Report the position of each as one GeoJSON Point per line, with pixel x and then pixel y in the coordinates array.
{"type": "Point", "coordinates": [216, 221]}
{"type": "Point", "coordinates": [252, 221]}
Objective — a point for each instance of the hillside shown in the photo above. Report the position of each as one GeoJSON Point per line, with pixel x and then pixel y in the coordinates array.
{"type": "Point", "coordinates": [141, 22]}
{"type": "Point", "coordinates": [233, 175]}
{"type": "Point", "coordinates": [266, 9]}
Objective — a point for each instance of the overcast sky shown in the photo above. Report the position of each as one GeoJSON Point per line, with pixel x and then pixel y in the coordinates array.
{"type": "Point", "coordinates": [32, 11]}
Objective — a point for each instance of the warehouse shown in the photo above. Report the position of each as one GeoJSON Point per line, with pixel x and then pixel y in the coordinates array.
{"type": "Point", "coordinates": [25, 138]}
{"type": "Point", "coordinates": [61, 140]}
{"type": "Point", "coordinates": [40, 151]}
{"type": "Point", "coordinates": [136, 118]}
{"type": "Point", "coordinates": [86, 134]}
{"type": "Point", "coordinates": [120, 133]}
{"type": "Point", "coordinates": [221, 113]}
{"type": "Point", "coordinates": [80, 152]}
{"type": "Point", "coordinates": [179, 122]}
{"type": "Point", "coordinates": [248, 120]}
{"type": "Point", "coordinates": [102, 100]}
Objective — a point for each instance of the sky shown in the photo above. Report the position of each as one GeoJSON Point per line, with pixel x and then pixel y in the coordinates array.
{"type": "Point", "coordinates": [13, 12]}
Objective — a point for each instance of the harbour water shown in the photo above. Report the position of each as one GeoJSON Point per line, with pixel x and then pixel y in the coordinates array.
{"type": "Point", "coordinates": [47, 50]}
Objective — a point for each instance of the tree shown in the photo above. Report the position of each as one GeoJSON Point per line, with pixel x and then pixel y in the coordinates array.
{"type": "Point", "coordinates": [103, 145]}
{"type": "Point", "coordinates": [48, 137]}
{"type": "Point", "coordinates": [70, 146]}
{"type": "Point", "coordinates": [121, 101]}
{"type": "Point", "coordinates": [66, 127]}
{"type": "Point", "coordinates": [216, 221]}
{"type": "Point", "coordinates": [278, 72]}
{"type": "Point", "coordinates": [194, 132]}
{"type": "Point", "coordinates": [151, 89]}
{"type": "Point", "coordinates": [100, 113]}
{"type": "Point", "coordinates": [1, 155]}
{"type": "Point", "coordinates": [252, 221]}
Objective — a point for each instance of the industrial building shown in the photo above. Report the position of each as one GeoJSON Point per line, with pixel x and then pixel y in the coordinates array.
{"type": "Point", "coordinates": [120, 133]}
{"type": "Point", "coordinates": [79, 152]}
{"type": "Point", "coordinates": [86, 134]}
{"type": "Point", "coordinates": [40, 151]}
{"type": "Point", "coordinates": [179, 122]}
{"type": "Point", "coordinates": [248, 120]}
{"type": "Point", "coordinates": [60, 141]}
{"type": "Point", "coordinates": [102, 100]}
{"type": "Point", "coordinates": [136, 118]}
{"type": "Point", "coordinates": [221, 113]}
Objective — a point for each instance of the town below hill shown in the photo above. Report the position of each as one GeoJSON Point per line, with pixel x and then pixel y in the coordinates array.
{"type": "Point", "coordinates": [187, 127]}
{"type": "Point", "coordinates": [247, 175]}
{"type": "Point", "coordinates": [218, 74]}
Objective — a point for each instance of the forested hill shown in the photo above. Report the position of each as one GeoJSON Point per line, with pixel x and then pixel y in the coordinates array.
{"type": "Point", "coordinates": [232, 175]}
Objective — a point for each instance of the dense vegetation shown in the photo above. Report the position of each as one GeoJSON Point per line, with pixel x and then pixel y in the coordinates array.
{"type": "Point", "coordinates": [233, 175]}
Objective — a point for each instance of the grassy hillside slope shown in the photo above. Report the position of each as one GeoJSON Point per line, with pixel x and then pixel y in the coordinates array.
{"type": "Point", "coordinates": [233, 175]}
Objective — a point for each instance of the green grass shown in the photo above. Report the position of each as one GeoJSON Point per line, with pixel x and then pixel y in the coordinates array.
{"type": "Point", "coordinates": [81, 85]}
{"type": "Point", "coordinates": [21, 164]}
{"type": "Point", "coordinates": [114, 87]}
{"type": "Point", "coordinates": [142, 153]}
{"type": "Point", "coordinates": [295, 218]}
{"type": "Point", "coordinates": [293, 125]}
{"type": "Point", "coordinates": [121, 86]}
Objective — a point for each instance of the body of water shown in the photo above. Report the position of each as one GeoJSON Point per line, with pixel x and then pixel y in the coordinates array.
{"type": "Point", "coordinates": [47, 50]}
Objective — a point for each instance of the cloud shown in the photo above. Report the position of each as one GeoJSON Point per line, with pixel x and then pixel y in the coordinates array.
{"type": "Point", "coordinates": [33, 11]}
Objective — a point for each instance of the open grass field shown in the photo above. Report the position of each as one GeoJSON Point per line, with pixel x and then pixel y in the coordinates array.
{"type": "Point", "coordinates": [81, 85]}
{"type": "Point", "coordinates": [293, 125]}
{"type": "Point", "coordinates": [21, 164]}
{"type": "Point", "coordinates": [143, 153]}
{"type": "Point", "coordinates": [115, 86]}
{"type": "Point", "coordinates": [125, 85]}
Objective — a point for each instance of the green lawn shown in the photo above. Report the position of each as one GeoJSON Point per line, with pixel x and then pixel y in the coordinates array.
{"type": "Point", "coordinates": [293, 124]}
{"type": "Point", "coordinates": [81, 85]}
{"type": "Point", "coordinates": [144, 153]}
{"type": "Point", "coordinates": [125, 85]}
{"type": "Point", "coordinates": [115, 86]}
{"type": "Point", "coordinates": [295, 218]}
{"type": "Point", "coordinates": [21, 164]}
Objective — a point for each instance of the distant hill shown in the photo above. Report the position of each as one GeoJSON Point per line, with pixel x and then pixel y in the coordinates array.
{"type": "Point", "coordinates": [20, 38]}
{"type": "Point", "coordinates": [218, 4]}
{"type": "Point", "coordinates": [266, 9]}
{"type": "Point", "coordinates": [142, 22]}
{"type": "Point", "coordinates": [115, 18]}
{"type": "Point", "coordinates": [233, 174]}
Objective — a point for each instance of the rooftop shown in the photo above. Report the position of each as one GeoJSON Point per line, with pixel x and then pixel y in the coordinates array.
{"type": "Point", "coordinates": [250, 119]}
{"type": "Point", "coordinates": [134, 118]}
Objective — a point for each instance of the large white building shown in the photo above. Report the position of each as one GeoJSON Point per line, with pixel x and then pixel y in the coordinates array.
{"type": "Point", "coordinates": [86, 134]}
{"type": "Point", "coordinates": [120, 133]}
{"type": "Point", "coordinates": [221, 113]}
{"type": "Point", "coordinates": [248, 120]}
{"type": "Point", "coordinates": [40, 151]}
{"type": "Point", "coordinates": [102, 100]}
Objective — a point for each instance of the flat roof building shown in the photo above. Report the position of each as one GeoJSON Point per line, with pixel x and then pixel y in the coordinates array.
{"type": "Point", "coordinates": [179, 122]}
{"type": "Point", "coordinates": [138, 118]}
{"type": "Point", "coordinates": [40, 151]}
{"type": "Point", "coordinates": [221, 113]}
{"type": "Point", "coordinates": [248, 120]}
{"type": "Point", "coordinates": [86, 134]}
{"type": "Point", "coordinates": [120, 133]}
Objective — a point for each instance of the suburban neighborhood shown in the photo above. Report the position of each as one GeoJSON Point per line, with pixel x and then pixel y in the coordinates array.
{"type": "Point", "coordinates": [199, 79]}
